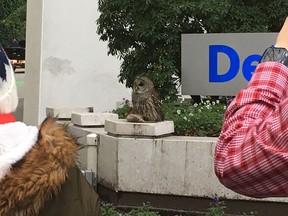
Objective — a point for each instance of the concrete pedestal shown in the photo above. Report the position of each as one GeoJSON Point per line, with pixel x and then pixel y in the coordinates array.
{"type": "Point", "coordinates": [92, 119]}
{"type": "Point", "coordinates": [122, 127]}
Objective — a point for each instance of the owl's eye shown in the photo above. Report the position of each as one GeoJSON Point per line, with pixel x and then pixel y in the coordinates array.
{"type": "Point", "coordinates": [141, 84]}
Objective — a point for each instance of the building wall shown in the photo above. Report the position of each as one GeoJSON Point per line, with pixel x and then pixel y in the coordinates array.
{"type": "Point", "coordinates": [67, 65]}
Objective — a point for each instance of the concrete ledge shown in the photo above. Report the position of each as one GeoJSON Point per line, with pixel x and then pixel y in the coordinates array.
{"type": "Point", "coordinates": [122, 127]}
{"type": "Point", "coordinates": [66, 112]}
{"type": "Point", "coordinates": [173, 166]}
{"type": "Point", "coordinates": [80, 132]}
{"type": "Point", "coordinates": [92, 119]}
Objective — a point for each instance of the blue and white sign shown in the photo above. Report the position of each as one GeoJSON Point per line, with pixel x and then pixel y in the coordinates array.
{"type": "Point", "coordinates": [220, 64]}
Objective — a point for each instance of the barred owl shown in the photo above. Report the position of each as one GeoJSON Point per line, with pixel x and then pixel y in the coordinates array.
{"type": "Point", "coordinates": [146, 102]}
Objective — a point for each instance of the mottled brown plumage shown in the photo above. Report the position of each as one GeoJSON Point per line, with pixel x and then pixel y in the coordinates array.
{"type": "Point", "coordinates": [146, 102]}
{"type": "Point", "coordinates": [40, 174]}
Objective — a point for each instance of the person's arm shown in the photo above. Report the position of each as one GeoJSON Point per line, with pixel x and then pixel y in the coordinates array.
{"type": "Point", "coordinates": [251, 156]}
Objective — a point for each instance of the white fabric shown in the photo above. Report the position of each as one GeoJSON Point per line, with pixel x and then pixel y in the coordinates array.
{"type": "Point", "coordinates": [8, 92]}
{"type": "Point", "coordinates": [16, 139]}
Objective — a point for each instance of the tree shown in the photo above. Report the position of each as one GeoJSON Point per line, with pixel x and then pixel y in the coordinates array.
{"type": "Point", "coordinates": [12, 20]}
{"type": "Point", "coordinates": [146, 34]}
{"type": "Point", "coordinates": [230, 16]}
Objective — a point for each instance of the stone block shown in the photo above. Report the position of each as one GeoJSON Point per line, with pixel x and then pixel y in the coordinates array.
{"type": "Point", "coordinates": [88, 152]}
{"type": "Point", "coordinates": [92, 119]}
{"type": "Point", "coordinates": [122, 127]}
{"type": "Point", "coordinates": [78, 131]}
{"type": "Point", "coordinates": [108, 158]}
{"type": "Point", "coordinates": [181, 166]}
{"type": "Point", "coordinates": [66, 112]}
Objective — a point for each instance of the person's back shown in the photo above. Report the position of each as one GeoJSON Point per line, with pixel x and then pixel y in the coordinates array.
{"type": "Point", "coordinates": [251, 156]}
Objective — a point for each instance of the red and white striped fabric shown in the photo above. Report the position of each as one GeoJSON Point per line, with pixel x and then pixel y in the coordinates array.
{"type": "Point", "coordinates": [251, 156]}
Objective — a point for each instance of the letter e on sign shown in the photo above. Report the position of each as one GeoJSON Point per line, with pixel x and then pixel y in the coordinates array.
{"type": "Point", "coordinates": [248, 68]}
{"type": "Point", "coordinates": [214, 76]}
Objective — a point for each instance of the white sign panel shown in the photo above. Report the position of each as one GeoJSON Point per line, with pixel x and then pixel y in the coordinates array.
{"type": "Point", "coordinates": [220, 64]}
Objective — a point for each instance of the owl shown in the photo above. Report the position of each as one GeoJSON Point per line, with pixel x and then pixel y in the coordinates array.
{"type": "Point", "coordinates": [146, 102]}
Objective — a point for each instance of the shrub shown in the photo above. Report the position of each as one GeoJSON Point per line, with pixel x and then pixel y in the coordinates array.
{"type": "Point", "coordinates": [217, 208]}
{"type": "Point", "coordinates": [109, 210]}
{"type": "Point", "coordinates": [204, 119]}
{"type": "Point", "coordinates": [123, 109]}
{"type": "Point", "coordinates": [143, 211]}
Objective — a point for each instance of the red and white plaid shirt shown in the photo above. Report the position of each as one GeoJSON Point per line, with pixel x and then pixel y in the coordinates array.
{"type": "Point", "coordinates": [251, 156]}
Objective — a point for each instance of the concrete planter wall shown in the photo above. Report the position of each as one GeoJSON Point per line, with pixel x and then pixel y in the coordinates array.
{"type": "Point", "coordinates": [168, 165]}
{"type": "Point", "coordinates": [174, 167]}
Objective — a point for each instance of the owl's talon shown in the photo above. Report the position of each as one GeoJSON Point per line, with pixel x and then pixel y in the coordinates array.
{"type": "Point", "coordinates": [134, 118]}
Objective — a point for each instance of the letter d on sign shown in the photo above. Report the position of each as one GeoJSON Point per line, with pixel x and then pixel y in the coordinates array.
{"type": "Point", "coordinates": [213, 63]}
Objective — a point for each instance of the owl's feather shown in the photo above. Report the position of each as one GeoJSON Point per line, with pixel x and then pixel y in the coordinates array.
{"type": "Point", "coordinates": [146, 102]}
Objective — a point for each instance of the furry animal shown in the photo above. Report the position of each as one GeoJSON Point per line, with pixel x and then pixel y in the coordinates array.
{"type": "Point", "coordinates": [40, 173]}
{"type": "Point", "coordinates": [146, 102]}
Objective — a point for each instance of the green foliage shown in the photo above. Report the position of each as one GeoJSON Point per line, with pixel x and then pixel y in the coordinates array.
{"type": "Point", "coordinates": [123, 109]}
{"type": "Point", "coordinates": [143, 33]}
{"type": "Point", "coordinates": [12, 21]}
{"type": "Point", "coordinates": [8, 6]}
{"type": "Point", "coordinates": [216, 209]}
{"type": "Point", "coordinates": [203, 119]}
{"type": "Point", "coordinates": [143, 211]}
{"type": "Point", "coordinates": [229, 16]}
{"type": "Point", "coordinates": [109, 210]}
{"type": "Point", "coordinates": [146, 34]}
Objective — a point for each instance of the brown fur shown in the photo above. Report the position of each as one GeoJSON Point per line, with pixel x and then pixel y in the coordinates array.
{"type": "Point", "coordinates": [39, 175]}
